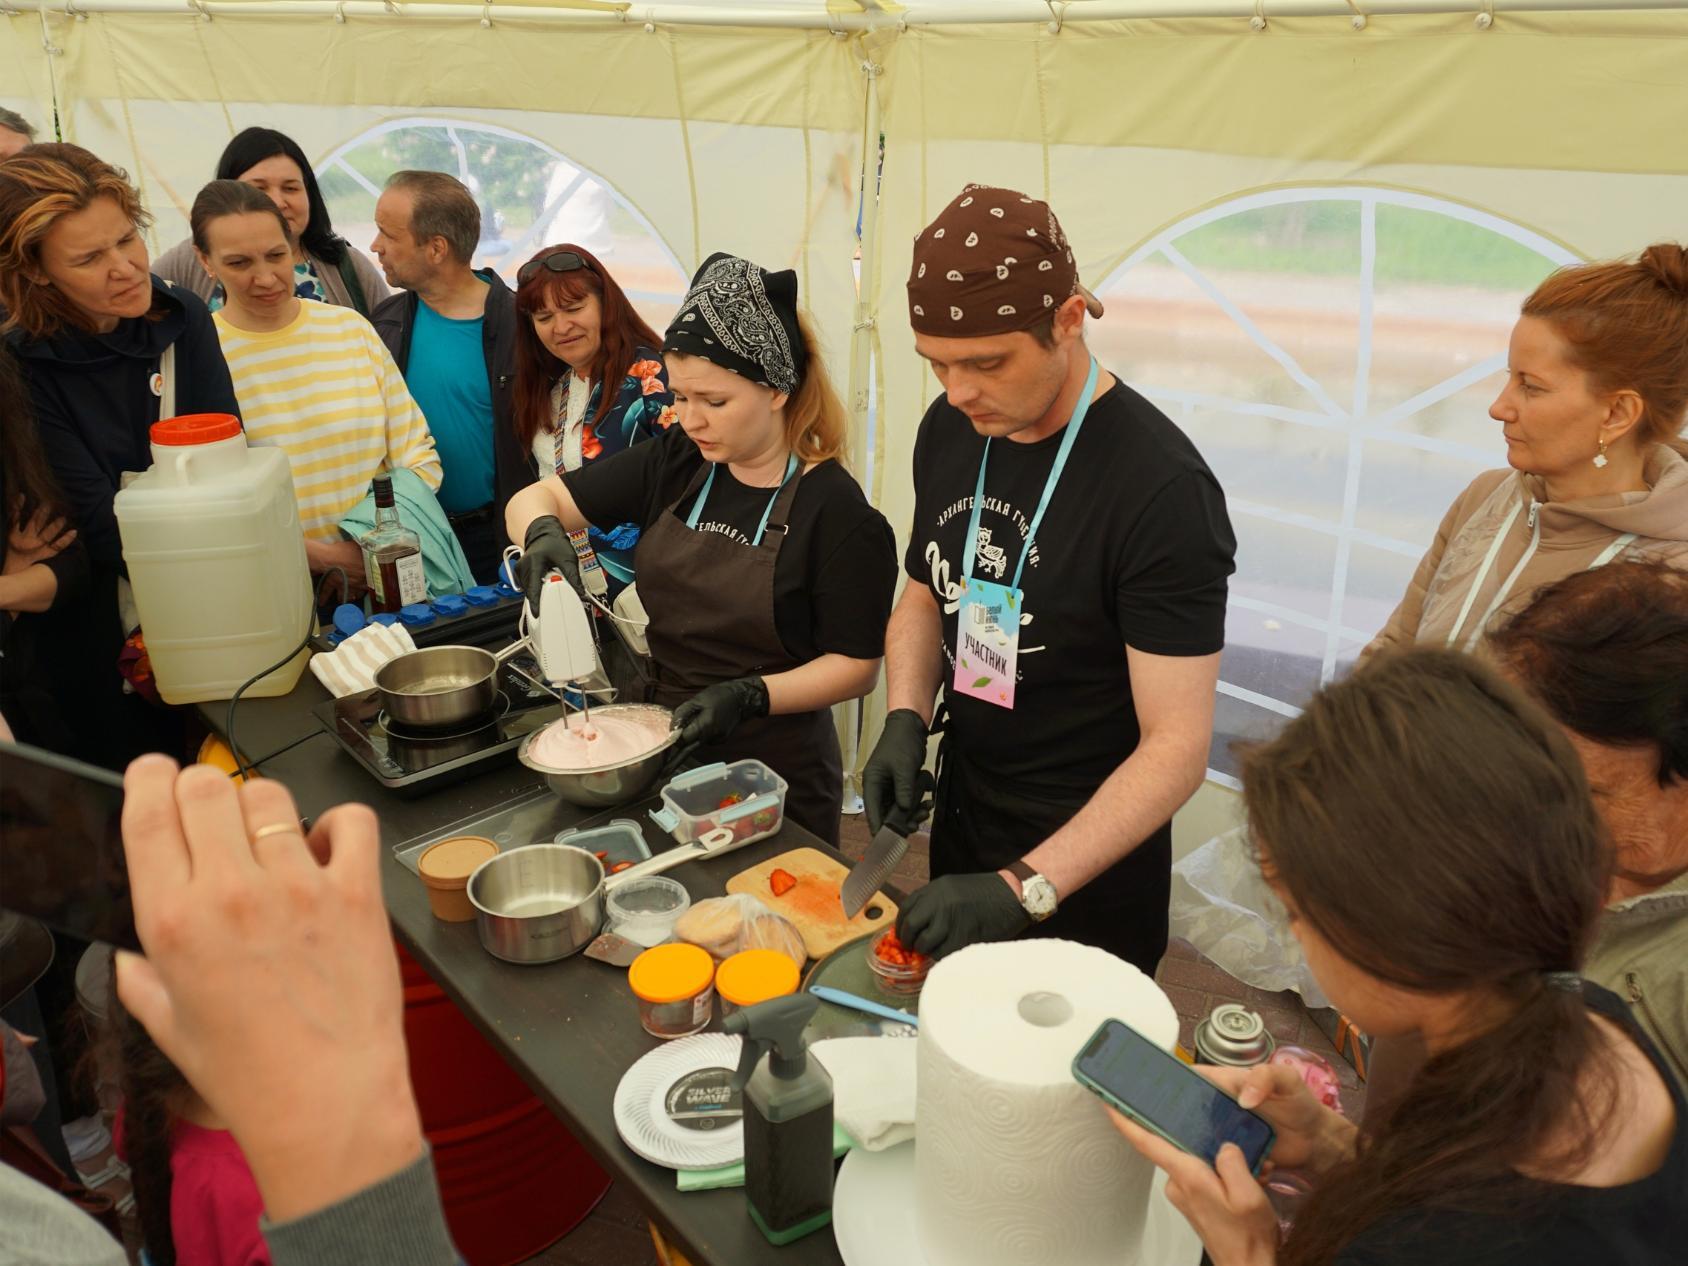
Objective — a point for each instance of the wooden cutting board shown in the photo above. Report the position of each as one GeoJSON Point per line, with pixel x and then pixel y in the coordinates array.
{"type": "Point", "coordinates": [813, 905]}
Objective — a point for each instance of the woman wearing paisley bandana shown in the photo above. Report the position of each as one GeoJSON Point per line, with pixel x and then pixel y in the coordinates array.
{"type": "Point", "coordinates": [766, 575]}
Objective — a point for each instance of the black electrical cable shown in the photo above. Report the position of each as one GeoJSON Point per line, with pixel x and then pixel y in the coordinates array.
{"type": "Point", "coordinates": [240, 765]}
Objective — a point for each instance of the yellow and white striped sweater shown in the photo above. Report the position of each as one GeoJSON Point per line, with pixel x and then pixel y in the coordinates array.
{"type": "Point", "coordinates": [324, 390]}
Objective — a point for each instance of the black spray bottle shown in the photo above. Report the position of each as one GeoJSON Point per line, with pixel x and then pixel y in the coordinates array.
{"type": "Point", "coordinates": [787, 1120]}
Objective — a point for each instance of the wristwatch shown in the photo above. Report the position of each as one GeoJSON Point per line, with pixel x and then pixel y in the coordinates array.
{"type": "Point", "coordinates": [1037, 894]}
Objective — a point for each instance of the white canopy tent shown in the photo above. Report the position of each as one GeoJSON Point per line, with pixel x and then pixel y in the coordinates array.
{"type": "Point", "coordinates": [1311, 220]}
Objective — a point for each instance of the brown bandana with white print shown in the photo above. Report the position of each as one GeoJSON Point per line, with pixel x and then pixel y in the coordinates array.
{"type": "Point", "coordinates": [993, 262]}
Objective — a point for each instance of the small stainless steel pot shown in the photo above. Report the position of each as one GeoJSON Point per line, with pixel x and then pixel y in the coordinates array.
{"type": "Point", "coordinates": [606, 786]}
{"type": "Point", "coordinates": [441, 687]}
{"type": "Point", "coordinates": [538, 903]}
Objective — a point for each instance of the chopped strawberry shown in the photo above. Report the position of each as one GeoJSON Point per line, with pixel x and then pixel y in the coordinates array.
{"type": "Point", "coordinates": [782, 882]}
{"type": "Point", "coordinates": [891, 950]}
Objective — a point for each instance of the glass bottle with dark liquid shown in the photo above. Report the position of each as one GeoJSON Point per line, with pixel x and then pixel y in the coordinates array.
{"type": "Point", "coordinates": [392, 556]}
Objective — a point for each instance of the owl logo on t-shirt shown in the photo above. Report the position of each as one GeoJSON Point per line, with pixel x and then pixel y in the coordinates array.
{"type": "Point", "coordinates": [991, 558]}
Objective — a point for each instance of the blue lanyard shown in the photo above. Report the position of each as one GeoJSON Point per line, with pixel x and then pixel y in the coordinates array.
{"type": "Point", "coordinates": [762, 527]}
{"type": "Point", "coordinates": [1073, 425]}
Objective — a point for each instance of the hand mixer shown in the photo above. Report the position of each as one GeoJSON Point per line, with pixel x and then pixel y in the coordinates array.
{"type": "Point", "coordinates": [560, 636]}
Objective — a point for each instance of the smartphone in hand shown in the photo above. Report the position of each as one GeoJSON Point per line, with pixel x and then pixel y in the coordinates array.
{"type": "Point", "coordinates": [61, 845]}
{"type": "Point", "coordinates": [1165, 1095]}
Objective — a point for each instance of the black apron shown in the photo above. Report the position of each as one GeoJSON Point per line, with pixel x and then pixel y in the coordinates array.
{"type": "Point", "coordinates": [982, 822]}
{"type": "Point", "coordinates": [710, 600]}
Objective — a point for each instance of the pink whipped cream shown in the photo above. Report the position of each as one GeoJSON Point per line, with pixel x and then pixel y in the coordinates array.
{"type": "Point", "coordinates": [611, 738]}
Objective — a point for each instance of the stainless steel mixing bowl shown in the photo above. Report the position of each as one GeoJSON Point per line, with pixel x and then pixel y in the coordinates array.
{"type": "Point", "coordinates": [607, 786]}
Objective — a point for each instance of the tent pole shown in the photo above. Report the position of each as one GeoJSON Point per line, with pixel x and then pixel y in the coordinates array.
{"type": "Point", "coordinates": [861, 376]}
{"type": "Point", "coordinates": [798, 14]}
{"type": "Point", "coordinates": [861, 327]}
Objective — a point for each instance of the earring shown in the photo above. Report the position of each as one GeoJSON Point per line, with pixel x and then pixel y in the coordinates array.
{"type": "Point", "coordinates": [1600, 457]}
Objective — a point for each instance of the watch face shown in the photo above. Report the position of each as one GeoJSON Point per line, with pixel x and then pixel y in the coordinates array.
{"type": "Point", "coordinates": [1039, 898]}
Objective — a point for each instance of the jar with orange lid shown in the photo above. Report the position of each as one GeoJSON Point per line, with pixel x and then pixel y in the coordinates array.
{"type": "Point", "coordinates": [445, 867]}
{"type": "Point", "coordinates": [675, 985]}
{"type": "Point", "coordinates": [753, 976]}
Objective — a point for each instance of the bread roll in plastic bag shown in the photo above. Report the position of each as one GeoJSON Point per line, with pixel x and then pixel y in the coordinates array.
{"type": "Point", "coordinates": [775, 932]}
{"type": "Point", "coordinates": [717, 922]}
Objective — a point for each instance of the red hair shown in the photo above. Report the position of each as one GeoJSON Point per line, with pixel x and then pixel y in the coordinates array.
{"type": "Point", "coordinates": [1627, 325]}
{"type": "Point", "coordinates": [622, 332]}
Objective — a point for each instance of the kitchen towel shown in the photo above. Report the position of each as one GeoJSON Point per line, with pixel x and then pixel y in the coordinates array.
{"type": "Point", "coordinates": [872, 1088]}
{"type": "Point", "coordinates": [350, 668]}
{"type": "Point", "coordinates": [1016, 1164]}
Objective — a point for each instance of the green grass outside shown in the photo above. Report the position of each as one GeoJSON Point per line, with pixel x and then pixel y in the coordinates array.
{"type": "Point", "coordinates": [1323, 239]}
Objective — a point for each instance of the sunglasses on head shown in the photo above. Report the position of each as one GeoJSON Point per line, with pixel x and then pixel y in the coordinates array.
{"type": "Point", "coordinates": [556, 261]}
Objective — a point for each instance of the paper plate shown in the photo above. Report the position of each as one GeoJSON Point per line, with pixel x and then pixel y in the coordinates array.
{"type": "Point", "coordinates": [674, 1107]}
{"type": "Point", "coordinates": [873, 1216]}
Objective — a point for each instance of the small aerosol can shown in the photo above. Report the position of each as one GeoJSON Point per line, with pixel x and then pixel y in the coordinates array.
{"type": "Point", "coordinates": [1233, 1036]}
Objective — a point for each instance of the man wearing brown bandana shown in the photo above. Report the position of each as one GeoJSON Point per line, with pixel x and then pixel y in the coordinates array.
{"type": "Point", "coordinates": [1067, 576]}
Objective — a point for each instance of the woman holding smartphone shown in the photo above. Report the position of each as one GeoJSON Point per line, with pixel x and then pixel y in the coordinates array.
{"type": "Point", "coordinates": [1447, 885]}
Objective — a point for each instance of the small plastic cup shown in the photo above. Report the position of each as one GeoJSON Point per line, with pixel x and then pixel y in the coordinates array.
{"type": "Point", "coordinates": [646, 910]}
{"type": "Point", "coordinates": [753, 976]}
{"type": "Point", "coordinates": [445, 867]}
{"type": "Point", "coordinates": [675, 985]}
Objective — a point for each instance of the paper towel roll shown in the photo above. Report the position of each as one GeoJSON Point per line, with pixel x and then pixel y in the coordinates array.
{"type": "Point", "coordinates": [1016, 1164]}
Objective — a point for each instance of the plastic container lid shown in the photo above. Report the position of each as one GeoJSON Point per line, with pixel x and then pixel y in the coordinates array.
{"type": "Point", "coordinates": [671, 973]}
{"type": "Point", "coordinates": [195, 428]}
{"type": "Point", "coordinates": [756, 975]}
{"type": "Point", "coordinates": [348, 619]}
{"type": "Point", "coordinates": [451, 604]}
{"type": "Point", "coordinates": [481, 596]}
{"type": "Point", "coordinates": [621, 839]}
{"type": "Point", "coordinates": [384, 617]}
{"type": "Point", "coordinates": [449, 863]}
{"type": "Point", "coordinates": [416, 614]}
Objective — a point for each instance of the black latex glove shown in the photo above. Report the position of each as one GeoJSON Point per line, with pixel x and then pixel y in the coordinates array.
{"type": "Point", "coordinates": [715, 711]}
{"type": "Point", "coordinates": [891, 777]}
{"type": "Point", "coordinates": [956, 911]}
{"type": "Point", "coordinates": [547, 549]}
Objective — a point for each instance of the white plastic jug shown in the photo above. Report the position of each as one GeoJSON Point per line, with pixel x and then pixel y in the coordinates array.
{"type": "Point", "coordinates": [216, 559]}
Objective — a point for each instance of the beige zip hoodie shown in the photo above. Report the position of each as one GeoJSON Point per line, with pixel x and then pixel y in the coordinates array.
{"type": "Point", "coordinates": [1640, 953]}
{"type": "Point", "coordinates": [1501, 541]}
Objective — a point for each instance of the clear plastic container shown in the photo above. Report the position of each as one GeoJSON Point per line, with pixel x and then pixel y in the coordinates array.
{"type": "Point", "coordinates": [754, 976]}
{"type": "Point", "coordinates": [746, 796]}
{"type": "Point", "coordinates": [645, 910]}
{"type": "Point", "coordinates": [899, 978]}
{"type": "Point", "coordinates": [216, 558]}
{"type": "Point", "coordinates": [616, 842]}
{"type": "Point", "coordinates": [675, 985]}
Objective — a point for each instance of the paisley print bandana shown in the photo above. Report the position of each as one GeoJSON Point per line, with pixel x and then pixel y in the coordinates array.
{"type": "Point", "coordinates": [993, 262]}
{"type": "Point", "coordinates": [743, 319]}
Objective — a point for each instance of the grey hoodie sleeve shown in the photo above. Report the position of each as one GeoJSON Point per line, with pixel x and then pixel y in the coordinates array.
{"type": "Point", "coordinates": [181, 267]}
{"type": "Point", "coordinates": [38, 1225]}
{"type": "Point", "coordinates": [397, 1222]}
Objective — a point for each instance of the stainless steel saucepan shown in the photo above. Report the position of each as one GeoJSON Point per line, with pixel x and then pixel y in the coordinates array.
{"type": "Point", "coordinates": [542, 902]}
{"type": "Point", "coordinates": [442, 687]}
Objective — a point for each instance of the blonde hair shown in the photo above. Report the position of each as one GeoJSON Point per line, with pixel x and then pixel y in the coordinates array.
{"type": "Point", "coordinates": [817, 428]}
{"type": "Point", "coordinates": [37, 188]}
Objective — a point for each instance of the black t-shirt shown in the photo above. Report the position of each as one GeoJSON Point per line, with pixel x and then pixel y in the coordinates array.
{"type": "Point", "coordinates": [1557, 1224]}
{"type": "Point", "coordinates": [837, 571]}
{"type": "Point", "coordinates": [1135, 549]}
